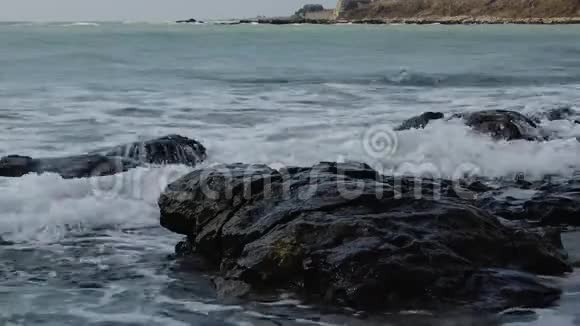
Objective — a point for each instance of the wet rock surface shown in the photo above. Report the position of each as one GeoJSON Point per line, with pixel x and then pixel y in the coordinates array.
{"type": "Point", "coordinates": [499, 124]}
{"type": "Point", "coordinates": [540, 203]}
{"type": "Point", "coordinates": [420, 121]}
{"type": "Point", "coordinates": [171, 149]}
{"type": "Point", "coordinates": [345, 235]}
{"type": "Point", "coordinates": [82, 166]}
{"type": "Point", "coordinates": [503, 124]}
{"type": "Point", "coordinates": [560, 113]}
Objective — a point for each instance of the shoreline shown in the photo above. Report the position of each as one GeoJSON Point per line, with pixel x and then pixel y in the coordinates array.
{"type": "Point", "coordinates": [454, 20]}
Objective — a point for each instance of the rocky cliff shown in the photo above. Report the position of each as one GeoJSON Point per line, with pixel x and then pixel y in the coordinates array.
{"type": "Point", "coordinates": [516, 9]}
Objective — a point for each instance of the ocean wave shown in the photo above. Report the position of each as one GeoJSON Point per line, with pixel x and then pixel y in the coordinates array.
{"type": "Point", "coordinates": [409, 78]}
{"type": "Point", "coordinates": [85, 24]}
{"type": "Point", "coordinates": [448, 147]}
{"type": "Point", "coordinates": [444, 148]}
{"type": "Point", "coordinates": [46, 208]}
{"type": "Point", "coordinates": [398, 78]}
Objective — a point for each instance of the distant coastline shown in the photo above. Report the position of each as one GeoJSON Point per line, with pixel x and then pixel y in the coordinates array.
{"type": "Point", "coordinates": [446, 12]}
{"type": "Point", "coordinates": [454, 20]}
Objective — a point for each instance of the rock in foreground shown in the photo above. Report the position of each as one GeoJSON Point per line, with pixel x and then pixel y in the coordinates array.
{"type": "Point", "coordinates": [171, 149]}
{"type": "Point", "coordinates": [343, 234]}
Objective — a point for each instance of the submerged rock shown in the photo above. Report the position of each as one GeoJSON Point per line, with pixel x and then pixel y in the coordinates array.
{"type": "Point", "coordinates": [166, 150]}
{"type": "Point", "coordinates": [344, 234]}
{"type": "Point", "coordinates": [420, 121]}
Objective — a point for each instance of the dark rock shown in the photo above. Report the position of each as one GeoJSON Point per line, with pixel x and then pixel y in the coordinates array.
{"type": "Point", "coordinates": [5, 243]}
{"type": "Point", "coordinates": [184, 248]}
{"type": "Point", "coordinates": [419, 122]}
{"type": "Point", "coordinates": [554, 209]}
{"type": "Point", "coordinates": [172, 149]}
{"type": "Point", "coordinates": [344, 234]}
{"type": "Point", "coordinates": [166, 150]}
{"type": "Point", "coordinates": [502, 124]}
{"type": "Point", "coordinates": [561, 113]}
{"type": "Point", "coordinates": [282, 21]}
{"type": "Point", "coordinates": [546, 204]}
{"type": "Point", "coordinates": [15, 166]}
{"type": "Point", "coordinates": [187, 21]}
{"type": "Point", "coordinates": [82, 166]}
{"type": "Point", "coordinates": [231, 289]}
{"type": "Point", "coordinates": [508, 288]}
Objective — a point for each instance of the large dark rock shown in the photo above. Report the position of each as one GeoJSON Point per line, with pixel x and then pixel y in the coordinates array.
{"type": "Point", "coordinates": [420, 121]}
{"type": "Point", "coordinates": [166, 150]}
{"type": "Point", "coordinates": [503, 124]}
{"type": "Point", "coordinates": [347, 235]}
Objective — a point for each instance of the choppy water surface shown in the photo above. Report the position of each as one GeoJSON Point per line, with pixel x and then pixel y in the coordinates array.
{"type": "Point", "coordinates": [91, 251]}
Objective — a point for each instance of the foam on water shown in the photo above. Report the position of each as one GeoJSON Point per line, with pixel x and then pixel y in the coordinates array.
{"type": "Point", "coordinates": [446, 149]}
{"type": "Point", "coordinates": [83, 24]}
{"type": "Point", "coordinates": [46, 207]}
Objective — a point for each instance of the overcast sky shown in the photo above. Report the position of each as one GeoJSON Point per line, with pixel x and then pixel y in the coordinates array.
{"type": "Point", "coordinates": [149, 10]}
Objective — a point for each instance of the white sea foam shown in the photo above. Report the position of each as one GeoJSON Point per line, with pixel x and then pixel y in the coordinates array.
{"type": "Point", "coordinates": [45, 207]}
{"type": "Point", "coordinates": [198, 306]}
{"type": "Point", "coordinates": [85, 24]}
{"type": "Point", "coordinates": [443, 147]}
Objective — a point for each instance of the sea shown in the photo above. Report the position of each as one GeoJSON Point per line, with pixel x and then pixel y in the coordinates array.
{"type": "Point", "coordinates": [91, 251]}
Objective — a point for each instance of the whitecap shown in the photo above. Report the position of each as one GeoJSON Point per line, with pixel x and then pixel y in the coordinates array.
{"type": "Point", "coordinates": [45, 208]}
{"type": "Point", "coordinates": [86, 24]}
